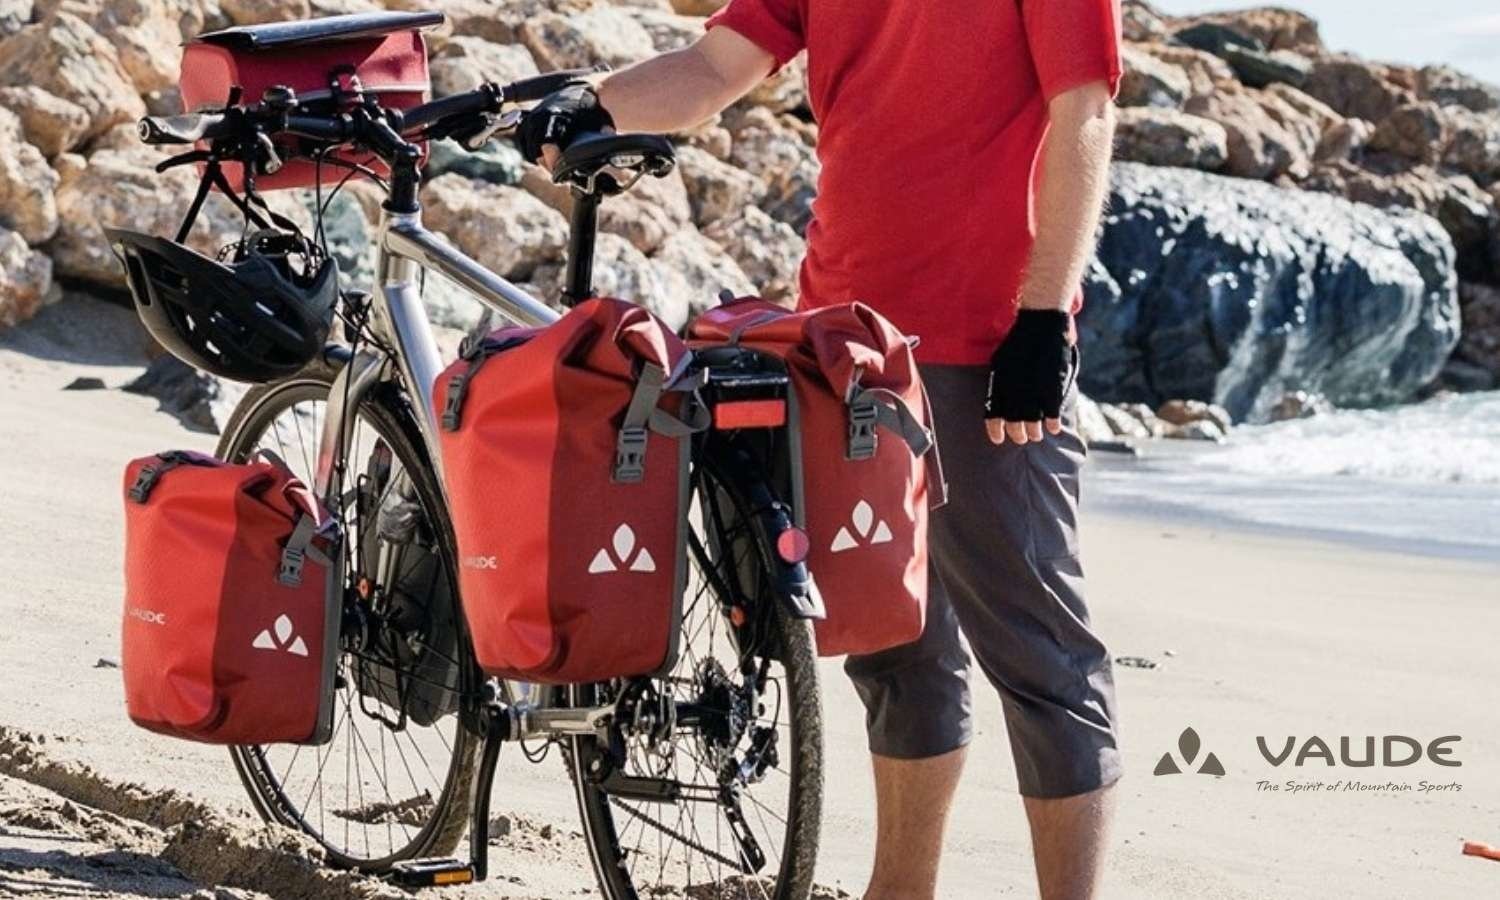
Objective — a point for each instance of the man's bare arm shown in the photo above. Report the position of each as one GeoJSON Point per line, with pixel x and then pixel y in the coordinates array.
{"type": "Point", "coordinates": [678, 90]}
{"type": "Point", "coordinates": [1075, 177]}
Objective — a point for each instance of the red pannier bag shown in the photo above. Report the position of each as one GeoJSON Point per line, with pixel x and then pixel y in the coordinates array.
{"type": "Point", "coordinates": [230, 632]}
{"type": "Point", "coordinates": [565, 454]}
{"type": "Point", "coordinates": [868, 469]}
{"type": "Point", "coordinates": [326, 61]}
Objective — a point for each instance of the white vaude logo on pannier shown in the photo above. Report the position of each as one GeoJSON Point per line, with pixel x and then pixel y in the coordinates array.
{"type": "Point", "coordinates": [283, 639]}
{"type": "Point", "coordinates": [863, 534]}
{"type": "Point", "coordinates": [626, 555]}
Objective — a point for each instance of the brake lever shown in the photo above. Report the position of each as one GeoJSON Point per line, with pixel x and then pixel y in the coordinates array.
{"type": "Point", "coordinates": [273, 161]}
{"type": "Point", "coordinates": [503, 122]}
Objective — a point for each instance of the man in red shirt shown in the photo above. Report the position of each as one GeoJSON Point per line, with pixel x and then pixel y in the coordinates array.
{"type": "Point", "coordinates": [965, 151]}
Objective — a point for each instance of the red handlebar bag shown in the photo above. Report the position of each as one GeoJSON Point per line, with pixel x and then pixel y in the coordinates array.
{"type": "Point", "coordinates": [865, 467]}
{"type": "Point", "coordinates": [230, 632]}
{"type": "Point", "coordinates": [326, 62]}
{"type": "Point", "coordinates": [565, 453]}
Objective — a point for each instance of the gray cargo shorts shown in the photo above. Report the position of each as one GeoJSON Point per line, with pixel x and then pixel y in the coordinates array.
{"type": "Point", "coordinates": [1004, 572]}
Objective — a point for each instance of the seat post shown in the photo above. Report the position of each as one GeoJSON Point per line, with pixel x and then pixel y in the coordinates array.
{"type": "Point", "coordinates": [583, 227]}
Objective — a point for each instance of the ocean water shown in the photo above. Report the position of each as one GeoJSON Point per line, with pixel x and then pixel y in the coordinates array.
{"type": "Point", "coordinates": [1423, 478]}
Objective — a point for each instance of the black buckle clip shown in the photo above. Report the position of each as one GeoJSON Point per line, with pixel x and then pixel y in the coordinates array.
{"type": "Point", "coordinates": [453, 406]}
{"type": "Point", "coordinates": [862, 438]}
{"type": "Point", "coordinates": [630, 456]}
{"type": "Point", "coordinates": [291, 566]}
{"type": "Point", "coordinates": [145, 480]}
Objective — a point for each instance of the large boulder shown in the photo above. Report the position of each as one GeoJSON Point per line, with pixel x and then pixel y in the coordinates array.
{"type": "Point", "coordinates": [646, 215]}
{"type": "Point", "coordinates": [25, 279]}
{"type": "Point", "coordinates": [1150, 81]}
{"type": "Point", "coordinates": [504, 228]}
{"type": "Point", "coordinates": [606, 35]}
{"type": "Point", "coordinates": [1355, 88]}
{"type": "Point", "coordinates": [1449, 87]}
{"type": "Point", "coordinates": [1414, 131]}
{"type": "Point", "coordinates": [1267, 137]}
{"type": "Point", "coordinates": [52, 124]}
{"type": "Point", "coordinates": [253, 12]}
{"type": "Point", "coordinates": [1473, 144]}
{"type": "Point", "coordinates": [1235, 292]}
{"type": "Point", "coordinates": [1206, 73]}
{"type": "Point", "coordinates": [145, 34]}
{"type": "Point", "coordinates": [1275, 28]}
{"type": "Point", "coordinates": [694, 270]}
{"type": "Point", "coordinates": [1170, 137]}
{"type": "Point", "coordinates": [28, 185]}
{"type": "Point", "coordinates": [1480, 344]}
{"type": "Point", "coordinates": [715, 188]}
{"type": "Point", "coordinates": [767, 147]}
{"type": "Point", "coordinates": [65, 56]}
{"type": "Point", "coordinates": [769, 252]}
{"type": "Point", "coordinates": [620, 270]}
{"type": "Point", "coordinates": [464, 62]}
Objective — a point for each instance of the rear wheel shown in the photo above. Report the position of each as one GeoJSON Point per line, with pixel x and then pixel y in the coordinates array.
{"type": "Point", "coordinates": [745, 751]}
{"type": "Point", "coordinates": [393, 781]}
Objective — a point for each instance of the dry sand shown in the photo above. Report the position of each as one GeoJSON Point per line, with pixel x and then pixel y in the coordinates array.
{"type": "Point", "coordinates": [1251, 635]}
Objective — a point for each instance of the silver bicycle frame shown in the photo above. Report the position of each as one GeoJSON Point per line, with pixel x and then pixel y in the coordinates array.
{"type": "Point", "coordinates": [406, 249]}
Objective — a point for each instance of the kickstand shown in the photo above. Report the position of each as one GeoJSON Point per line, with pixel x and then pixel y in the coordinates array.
{"type": "Point", "coordinates": [479, 799]}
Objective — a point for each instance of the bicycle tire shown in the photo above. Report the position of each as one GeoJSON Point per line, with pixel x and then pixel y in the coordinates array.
{"type": "Point", "coordinates": [443, 829]}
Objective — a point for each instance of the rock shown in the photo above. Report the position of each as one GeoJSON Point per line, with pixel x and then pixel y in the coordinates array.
{"type": "Point", "coordinates": [1480, 344]}
{"type": "Point", "coordinates": [715, 188]}
{"type": "Point", "coordinates": [1184, 412]}
{"type": "Point", "coordinates": [51, 123]}
{"type": "Point", "coordinates": [1148, 81]}
{"type": "Point", "coordinates": [600, 34]}
{"type": "Point", "coordinates": [504, 228]}
{"type": "Point", "coordinates": [497, 162]}
{"type": "Point", "coordinates": [694, 270]}
{"type": "Point", "coordinates": [25, 279]}
{"type": "Point", "coordinates": [1124, 423]}
{"type": "Point", "coordinates": [710, 137]}
{"type": "Point", "coordinates": [145, 34]}
{"type": "Point", "coordinates": [1355, 89]}
{"type": "Point", "coordinates": [1343, 141]}
{"type": "Point", "coordinates": [785, 90]}
{"type": "Point", "coordinates": [14, 15]}
{"type": "Point", "coordinates": [1309, 107]}
{"type": "Point", "coordinates": [1447, 86]}
{"type": "Point", "coordinates": [1458, 375]}
{"type": "Point", "coordinates": [1297, 405]}
{"type": "Point", "coordinates": [1254, 64]}
{"type": "Point", "coordinates": [1205, 71]}
{"type": "Point", "coordinates": [668, 30]}
{"type": "Point", "coordinates": [1236, 292]}
{"type": "Point", "coordinates": [1414, 131]}
{"type": "Point", "coordinates": [201, 402]}
{"type": "Point", "coordinates": [1169, 137]}
{"type": "Point", "coordinates": [119, 187]}
{"type": "Point", "coordinates": [28, 185]}
{"type": "Point", "coordinates": [1259, 142]}
{"type": "Point", "coordinates": [66, 57]}
{"type": "Point", "coordinates": [769, 252]}
{"type": "Point", "coordinates": [254, 12]}
{"type": "Point", "coordinates": [1273, 28]}
{"type": "Point", "coordinates": [1199, 430]}
{"type": "Point", "coordinates": [1142, 23]}
{"type": "Point", "coordinates": [766, 147]}
{"type": "Point", "coordinates": [645, 215]}
{"type": "Point", "coordinates": [85, 383]}
{"type": "Point", "coordinates": [1091, 424]}
{"type": "Point", "coordinates": [698, 7]}
{"type": "Point", "coordinates": [349, 234]}
{"type": "Point", "coordinates": [1473, 145]}
{"type": "Point", "coordinates": [463, 63]}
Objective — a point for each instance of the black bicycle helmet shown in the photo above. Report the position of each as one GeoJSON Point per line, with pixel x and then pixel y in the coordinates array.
{"type": "Point", "coordinates": [257, 318]}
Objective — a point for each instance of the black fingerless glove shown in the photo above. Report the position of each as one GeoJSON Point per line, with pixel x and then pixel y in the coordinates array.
{"type": "Point", "coordinates": [1033, 368]}
{"type": "Point", "coordinates": [559, 118]}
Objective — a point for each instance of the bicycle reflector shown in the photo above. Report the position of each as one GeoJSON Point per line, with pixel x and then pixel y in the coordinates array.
{"type": "Point", "coordinates": [732, 414]}
{"type": "Point", "coordinates": [792, 545]}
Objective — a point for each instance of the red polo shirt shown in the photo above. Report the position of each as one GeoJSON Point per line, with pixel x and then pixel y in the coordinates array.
{"type": "Point", "coordinates": [931, 115]}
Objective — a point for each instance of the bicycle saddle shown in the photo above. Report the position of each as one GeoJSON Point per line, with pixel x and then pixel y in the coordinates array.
{"type": "Point", "coordinates": [590, 154]}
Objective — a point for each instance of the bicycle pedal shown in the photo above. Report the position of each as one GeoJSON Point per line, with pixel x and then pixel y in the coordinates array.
{"type": "Point", "coordinates": [431, 872]}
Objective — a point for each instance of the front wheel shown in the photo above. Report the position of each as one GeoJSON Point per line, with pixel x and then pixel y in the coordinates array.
{"type": "Point", "coordinates": [744, 754]}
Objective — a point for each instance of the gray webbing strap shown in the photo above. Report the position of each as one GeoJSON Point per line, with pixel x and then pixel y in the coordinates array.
{"type": "Point", "coordinates": [750, 322]}
{"type": "Point", "coordinates": [643, 415]}
{"type": "Point", "coordinates": [871, 407]}
{"type": "Point", "coordinates": [146, 478]}
{"type": "Point", "coordinates": [298, 549]}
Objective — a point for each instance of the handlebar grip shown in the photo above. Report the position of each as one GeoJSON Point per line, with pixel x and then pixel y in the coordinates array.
{"type": "Point", "coordinates": [539, 86]}
{"type": "Point", "coordinates": [468, 103]}
{"type": "Point", "coordinates": [185, 129]}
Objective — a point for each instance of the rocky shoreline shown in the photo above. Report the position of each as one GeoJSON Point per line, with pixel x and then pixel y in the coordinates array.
{"type": "Point", "coordinates": [1287, 221]}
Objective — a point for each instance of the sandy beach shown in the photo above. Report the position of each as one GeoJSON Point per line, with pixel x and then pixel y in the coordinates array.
{"type": "Point", "coordinates": [1238, 635]}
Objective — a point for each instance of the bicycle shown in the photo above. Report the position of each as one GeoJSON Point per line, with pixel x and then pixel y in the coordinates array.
{"type": "Point", "coordinates": [734, 731]}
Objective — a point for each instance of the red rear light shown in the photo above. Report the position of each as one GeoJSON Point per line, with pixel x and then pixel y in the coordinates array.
{"type": "Point", "coordinates": [750, 414]}
{"type": "Point", "coordinates": [792, 545]}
